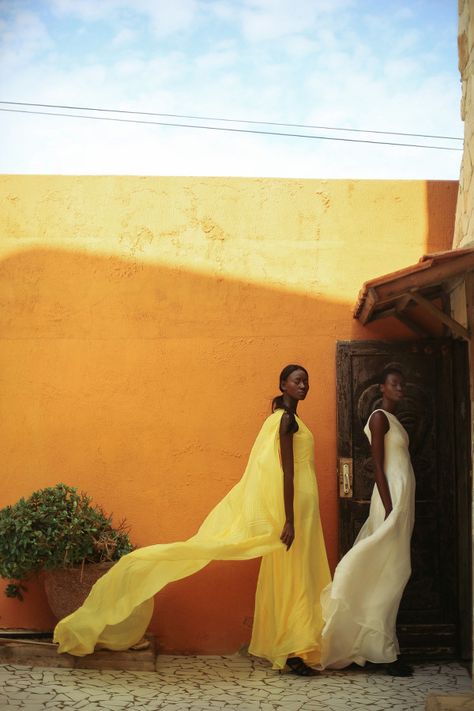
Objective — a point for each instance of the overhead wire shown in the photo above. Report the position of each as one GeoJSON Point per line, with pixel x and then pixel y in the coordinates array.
{"type": "Point", "coordinates": [230, 120]}
{"type": "Point", "coordinates": [229, 129]}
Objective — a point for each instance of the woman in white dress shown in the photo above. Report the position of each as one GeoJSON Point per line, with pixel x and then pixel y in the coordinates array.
{"type": "Point", "coordinates": [360, 606]}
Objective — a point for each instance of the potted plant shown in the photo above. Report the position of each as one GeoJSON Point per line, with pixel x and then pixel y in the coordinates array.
{"type": "Point", "coordinates": [58, 531]}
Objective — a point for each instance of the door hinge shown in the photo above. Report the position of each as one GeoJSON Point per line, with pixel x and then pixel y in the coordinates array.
{"type": "Point", "coordinates": [345, 477]}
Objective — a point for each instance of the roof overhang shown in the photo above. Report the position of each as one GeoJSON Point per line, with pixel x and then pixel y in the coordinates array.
{"type": "Point", "coordinates": [419, 284]}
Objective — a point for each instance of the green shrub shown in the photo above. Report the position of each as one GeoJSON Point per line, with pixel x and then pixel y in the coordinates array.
{"type": "Point", "coordinates": [56, 527]}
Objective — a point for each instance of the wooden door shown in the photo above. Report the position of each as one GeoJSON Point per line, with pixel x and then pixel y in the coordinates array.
{"type": "Point", "coordinates": [435, 612]}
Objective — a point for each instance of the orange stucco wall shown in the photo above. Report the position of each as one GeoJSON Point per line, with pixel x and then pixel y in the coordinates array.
{"type": "Point", "coordinates": [144, 322]}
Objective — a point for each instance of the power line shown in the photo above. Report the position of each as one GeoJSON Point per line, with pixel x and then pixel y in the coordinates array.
{"type": "Point", "coordinates": [229, 120]}
{"type": "Point", "coordinates": [231, 130]}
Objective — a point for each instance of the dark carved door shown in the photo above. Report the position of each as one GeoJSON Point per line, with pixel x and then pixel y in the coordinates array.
{"type": "Point", "coordinates": [434, 617]}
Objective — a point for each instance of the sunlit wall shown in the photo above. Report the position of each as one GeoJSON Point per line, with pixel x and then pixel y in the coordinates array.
{"type": "Point", "coordinates": [144, 322]}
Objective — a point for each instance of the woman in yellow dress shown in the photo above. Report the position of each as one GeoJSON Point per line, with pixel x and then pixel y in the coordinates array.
{"type": "Point", "coordinates": [272, 512]}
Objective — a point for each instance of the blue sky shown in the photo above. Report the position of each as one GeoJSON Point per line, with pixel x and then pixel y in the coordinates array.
{"type": "Point", "coordinates": [363, 64]}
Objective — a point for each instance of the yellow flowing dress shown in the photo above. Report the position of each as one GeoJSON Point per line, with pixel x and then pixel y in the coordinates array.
{"type": "Point", "coordinates": [247, 523]}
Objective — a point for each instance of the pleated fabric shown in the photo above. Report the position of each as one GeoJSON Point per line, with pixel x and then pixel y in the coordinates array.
{"type": "Point", "coordinates": [360, 606]}
{"type": "Point", "coordinates": [246, 523]}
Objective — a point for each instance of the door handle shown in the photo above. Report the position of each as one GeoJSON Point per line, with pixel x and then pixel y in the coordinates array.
{"type": "Point", "coordinates": [345, 477]}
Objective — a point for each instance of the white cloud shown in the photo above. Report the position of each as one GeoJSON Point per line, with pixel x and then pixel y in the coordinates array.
{"type": "Point", "coordinates": [220, 58]}
{"type": "Point", "coordinates": [396, 70]}
{"type": "Point", "coordinates": [22, 37]}
{"type": "Point", "coordinates": [317, 67]}
{"type": "Point", "coordinates": [300, 46]}
{"type": "Point", "coordinates": [130, 67]}
{"type": "Point", "coordinates": [125, 36]}
{"type": "Point", "coordinates": [169, 17]}
{"type": "Point", "coordinates": [224, 10]}
{"type": "Point", "coordinates": [162, 16]}
{"type": "Point", "coordinates": [87, 10]}
{"type": "Point", "coordinates": [264, 20]}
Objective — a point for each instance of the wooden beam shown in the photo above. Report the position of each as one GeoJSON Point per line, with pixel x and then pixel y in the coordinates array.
{"type": "Point", "coordinates": [383, 313]}
{"type": "Point", "coordinates": [446, 306]}
{"type": "Point", "coordinates": [368, 307]}
{"type": "Point", "coordinates": [435, 292]}
{"type": "Point", "coordinates": [453, 325]}
{"type": "Point", "coordinates": [402, 302]}
{"type": "Point", "coordinates": [469, 287]}
{"type": "Point", "coordinates": [412, 325]}
{"type": "Point", "coordinates": [423, 275]}
{"type": "Point", "coordinates": [403, 318]}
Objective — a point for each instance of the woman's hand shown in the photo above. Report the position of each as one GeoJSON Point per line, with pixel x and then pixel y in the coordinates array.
{"type": "Point", "coordinates": [288, 534]}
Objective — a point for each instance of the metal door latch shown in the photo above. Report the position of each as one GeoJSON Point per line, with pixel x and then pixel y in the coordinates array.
{"type": "Point", "coordinates": [345, 477]}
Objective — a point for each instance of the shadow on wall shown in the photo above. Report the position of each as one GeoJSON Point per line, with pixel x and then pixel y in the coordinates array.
{"type": "Point", "coordinates": [145, 387]}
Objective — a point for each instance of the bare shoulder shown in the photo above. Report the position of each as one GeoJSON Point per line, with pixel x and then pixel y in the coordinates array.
{"type": "Point", "coordinates": [379, 422]}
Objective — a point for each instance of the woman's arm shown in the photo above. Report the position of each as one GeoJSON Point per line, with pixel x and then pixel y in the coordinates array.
{"type": "Point", "coordinates": [379, 426]}
{"type": "Point", "coordinates": [286, 448]}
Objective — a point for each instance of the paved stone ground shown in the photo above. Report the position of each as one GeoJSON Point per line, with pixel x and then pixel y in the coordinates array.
{"type": "Point", "coordinates": [230, 682]}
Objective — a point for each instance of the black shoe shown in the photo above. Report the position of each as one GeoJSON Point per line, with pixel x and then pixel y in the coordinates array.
{"type": "Point", "coordinates": [299, 667]}
{"type": "Point", "coordinates": [399, 668]}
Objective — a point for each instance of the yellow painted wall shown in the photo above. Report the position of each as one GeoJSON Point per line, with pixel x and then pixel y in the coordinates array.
{"type": "Point", "coordinates": [144, 322]}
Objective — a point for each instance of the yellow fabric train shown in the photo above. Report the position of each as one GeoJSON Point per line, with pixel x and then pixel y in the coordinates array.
{"type": "Point", "coordinates": [247, 523]}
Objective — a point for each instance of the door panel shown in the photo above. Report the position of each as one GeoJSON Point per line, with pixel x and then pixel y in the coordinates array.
{"type": "Point", "coordinates": [428, 618]}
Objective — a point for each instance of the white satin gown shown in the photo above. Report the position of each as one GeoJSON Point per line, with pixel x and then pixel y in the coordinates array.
{"type": "Point", "coordinates": [360, 606]}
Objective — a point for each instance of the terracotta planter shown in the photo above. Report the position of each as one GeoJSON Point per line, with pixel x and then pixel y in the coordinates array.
{"type": "Point", "coordinates": [67, 588]}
